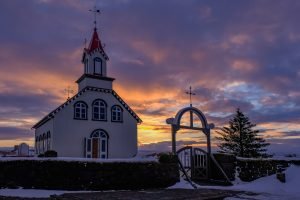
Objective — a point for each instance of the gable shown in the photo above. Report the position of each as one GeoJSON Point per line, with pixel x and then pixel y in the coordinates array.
{"type": "Point", "coordinates": [75, 97]}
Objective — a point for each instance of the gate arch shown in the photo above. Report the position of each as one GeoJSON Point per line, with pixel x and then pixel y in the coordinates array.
{"type": "Point", "coordinates": [176, 125]}
{"type": "Point", "coordinates": [194, 162]}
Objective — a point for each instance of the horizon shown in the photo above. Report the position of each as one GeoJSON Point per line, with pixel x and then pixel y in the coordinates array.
{"type": "Point", "coordinates": [234, 55]}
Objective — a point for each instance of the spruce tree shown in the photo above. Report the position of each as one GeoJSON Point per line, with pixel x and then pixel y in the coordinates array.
{"type": "Point", "coordinates": [240, 139]}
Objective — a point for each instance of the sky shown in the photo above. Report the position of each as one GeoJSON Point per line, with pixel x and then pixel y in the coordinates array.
{"type": "Point", "coordinates": [234, 54]}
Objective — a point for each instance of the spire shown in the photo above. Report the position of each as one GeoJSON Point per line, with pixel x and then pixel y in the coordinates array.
{"type": "Point", "coordinates": [96, 45]}
{"type": "Point", "coordinates": [95, 42]}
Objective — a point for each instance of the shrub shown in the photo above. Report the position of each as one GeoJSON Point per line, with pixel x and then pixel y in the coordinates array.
{"type": "Point", "coordinates": [167, 158]}
{"type": "Point", "coordinates": [50, 153]}
{"type": "Point", "coordinates": [80, 175]}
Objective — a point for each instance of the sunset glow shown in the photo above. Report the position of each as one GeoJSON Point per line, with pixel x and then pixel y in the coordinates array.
{"type": "Point", "coordinates": [245, 55]}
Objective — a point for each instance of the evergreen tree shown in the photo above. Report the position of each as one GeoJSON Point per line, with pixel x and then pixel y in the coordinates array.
{"type": "Point", "coordinates": [240, 139]}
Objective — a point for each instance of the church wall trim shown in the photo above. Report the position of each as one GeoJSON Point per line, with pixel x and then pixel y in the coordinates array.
{"type": "Point", "coordinates": [55, 111]}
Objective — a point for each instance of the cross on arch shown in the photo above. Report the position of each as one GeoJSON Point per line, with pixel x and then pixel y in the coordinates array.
{"type": "Point", "coordinates": [190, 93]}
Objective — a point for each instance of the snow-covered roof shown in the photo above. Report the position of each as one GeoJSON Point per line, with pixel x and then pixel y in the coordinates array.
{"type": "Point", "coordinates": [95, 89]}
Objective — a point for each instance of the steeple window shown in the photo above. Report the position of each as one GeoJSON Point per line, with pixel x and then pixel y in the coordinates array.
{"type": "Point", "coordinates": [98, 66]}
{"type": "Point", "coordinates": [86, 66]}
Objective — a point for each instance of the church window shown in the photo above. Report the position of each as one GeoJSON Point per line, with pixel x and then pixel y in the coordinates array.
{"type": "Point", "coordinates": [48, 140]}
{"type": "Point", "coordinates": [36, 145]}
{"type": "Point", "coordinates": [99, 110]}
{"type": "Point", "coordinates": [98, 66]}
{"type": "Point", "coordinates": [44, 142]}
{"type": "Point", "coordinates": [86, 66]}
{"type": "Point", "coordinates": [40, 144]}
{"type": "Point", "coordinates": [116, 114]}
{"type": "Point", "coordinates": [80, 110]}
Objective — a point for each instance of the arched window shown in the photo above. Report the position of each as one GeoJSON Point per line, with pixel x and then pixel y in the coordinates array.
{"type": "Point", "coordinates": [97, 145]}
{"type": "Point", "coordinates": [116, 114]}
{"type": "Point", "coordinates": [36, 145]}
{"type": "Point", "coordinates": [48, 140]}
{"type": "Point", "coordinates": [80, 110]}
{"type": "Point", "coordinates": [86, 66]}
{"type": "Point", "coordinates": [40, 144]}
{"type": "Point", "coordinates": [98, 66]}
{"type": "Point", "coordinates": [99, 110]}
{"type": "Point", "coordinates": [44, 142]}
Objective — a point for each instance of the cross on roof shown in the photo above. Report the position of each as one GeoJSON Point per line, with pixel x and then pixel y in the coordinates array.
{"type": "Point", "coordinates": [68, 91]}
{"type": "Point", "coordinates": [95, 11]}
{"type": "Point", "coordinates": [190, 93]}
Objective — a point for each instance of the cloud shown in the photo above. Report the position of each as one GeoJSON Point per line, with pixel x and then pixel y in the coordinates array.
{"type": "Point", "coordinates": [166, 146]}
{"type": "Point", "coordinates": [11, 133]}
{"type": "Point", "coordinates": [236, 54]}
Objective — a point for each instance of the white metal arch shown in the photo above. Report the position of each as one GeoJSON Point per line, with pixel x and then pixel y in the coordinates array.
{"type": "Point", "coordinates": [176, 126]}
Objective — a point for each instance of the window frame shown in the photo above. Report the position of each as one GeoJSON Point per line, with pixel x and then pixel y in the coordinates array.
{"type": "Point", "coordinates": [36, 145]}
{"type": "Point", "coordinates": [86, 66]}
{"type": "Point", "coordinates": [97, 59]}
{"type": "Point", "coordinates": [40, 144]}
{"type": "Point", "coordinates": [48, 140]}
{"type": "Point", "coordinates": [120, 111]}
{"type": "Point", "coordinates": [99, 110]}
{"type": "Point", "coordinates": [80, 113]}
{"type": "Point", "coordinates": [44, 138]}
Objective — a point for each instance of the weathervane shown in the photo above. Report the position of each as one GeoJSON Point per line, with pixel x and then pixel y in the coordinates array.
{"type": "Point", "coordinates": [190, 93]}
{"type": "Point", "coordinates": [68, 91]}
{"type": "Point", "coordinates": [95, 11]}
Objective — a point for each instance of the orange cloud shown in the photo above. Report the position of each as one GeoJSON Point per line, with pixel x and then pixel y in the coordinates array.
{"type": "Point", "coordinates": [243, 65]}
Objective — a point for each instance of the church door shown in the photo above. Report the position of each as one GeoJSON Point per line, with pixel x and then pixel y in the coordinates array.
{"type": "Point", "coordinates": [97, 145]}
{"type": "Point", "coordinates": [95, 150]}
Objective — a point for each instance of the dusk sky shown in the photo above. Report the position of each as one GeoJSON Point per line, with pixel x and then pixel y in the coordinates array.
{"type": "Point", "coordinates": [233, 53]}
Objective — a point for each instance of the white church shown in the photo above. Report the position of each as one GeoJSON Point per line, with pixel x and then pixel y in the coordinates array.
{"type": "Point", "coordinates": [94, 123]}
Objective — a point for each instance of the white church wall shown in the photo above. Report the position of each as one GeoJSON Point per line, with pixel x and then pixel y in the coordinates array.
{"type": "Point", "coordinates": [94, 83]}
{"type": "Point", "coordinates": [91, 57]}
{"type": "Point", "coordinates": [70, 133]}
{"type": "Point", "coordinates": [43, 129]}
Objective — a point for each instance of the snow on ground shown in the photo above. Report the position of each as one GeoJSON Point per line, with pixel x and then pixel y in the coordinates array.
{"type": "Point", "coordinates": [268, 187]}
{"type": "Point", "coordinates": [276, 158]}
{"type": "Point", "coordinates": [70, 159]}
{"type": "Point", "coordinates": [33, 193]}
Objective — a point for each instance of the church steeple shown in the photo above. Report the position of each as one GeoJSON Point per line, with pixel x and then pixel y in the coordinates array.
{"type": "Point", "coordinates": [95, 42]}
{"type": "Point", "coordinates": [94, 57]}
{"type": "Point", "coordinates": [94, 60]}
{"type": "Point", "coordinates": [96, 45]}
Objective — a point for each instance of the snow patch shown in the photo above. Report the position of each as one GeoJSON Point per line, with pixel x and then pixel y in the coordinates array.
{"type": "Point", "coordinates": [182, 184]}
{"type": "Point", "coordinates": [34, 193]}
{"type": "Point", "coordinates": [268, 187]}
{"type": "Point", "coordinates": [70, 159]}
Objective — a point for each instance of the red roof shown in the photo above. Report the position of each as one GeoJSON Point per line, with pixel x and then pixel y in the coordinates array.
{"type": "Point", "coordinates": [95, 42]}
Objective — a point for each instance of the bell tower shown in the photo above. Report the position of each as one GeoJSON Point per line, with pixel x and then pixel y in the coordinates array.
{"type": "Point", "coordinates": [94, 60]}
{"type": "Point", "coordinates": [94, 57]}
